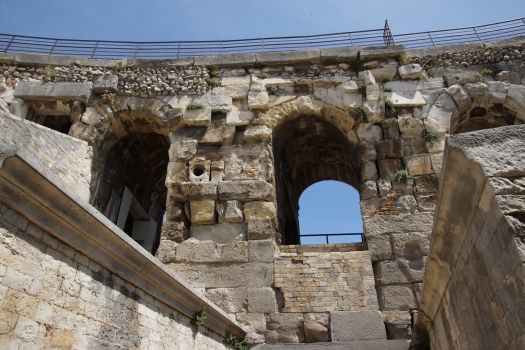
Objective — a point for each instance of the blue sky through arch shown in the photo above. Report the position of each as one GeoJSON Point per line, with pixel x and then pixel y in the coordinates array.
{"type": "Point", "coordinates": [329, 207]}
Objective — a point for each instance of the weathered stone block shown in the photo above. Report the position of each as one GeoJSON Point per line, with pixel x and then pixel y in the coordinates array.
{"type": "Point", "coordinates": [105, 83]}
{"type": "Point", "coordinates": [197, 117]}
{"type": "Point", "coordinates": [31, 90]}
{"type": "Point", "coordinates": [382, 224]}
{"type": "Point", "coordinates": [257, 133]}
{"type": "Point", "coordinates": [193, 191]}
{"type": "Point", "coordinates": [317, 327]}
{"type": "Point", "coordinates": [372, 92]}
{"type": "Point", "coordinates": [406, 204]}
{"type": "Point", "coordinates": [392, 148]}
{"type": "Point", "coordinates": [356, 325]}
{"type": "Point", "coordinates": [167, 251]}
{"type": "Point", "coordinates": [398, 324]}
{"type": "Point", "coordinates": [516, 100]}
{"type": "Point", "coordinates": [410, 128]}
{"type": "Point", "coordinates": [410, 245]}
{"type": "Point", "coordinates": [212, 252]}
{"type": "Point", "coordinates": [174, 231]}
{"type": "Point", "coordinates": [247, 190]}
{"type": "Point", "coordinates": [368, 171]}
{"type": "Point", "coordinates": [259, 209]}
{"type": "Point", "coordinates": [239, 117]}
{"type": "Point", "coordinates": [384, 187]}
{"type": "Point", "coordinates": [351, 101]}
{"type": "Point", "coordinates": [369, 132]}
{"type": "Point", "coordinates": [261, 229]}
{"type": "Point", "coordinates": [414, 146]}
{"type": "Point", "coordinates": [367, 150]}
{"type": "Point", "coordinates": [261, 251]}
{"type": "Point", "coordinates": [183, 150]}
{"type": "Point", "coordinates": [220, 233]}
{"type": "Point", "coordinates": [255, 327]}
{"type": "Point", "coordinates": [396, 297]}
{"type": "Point", "coordinates": [369, 206]}
{"type": "Point", "coordinates": [285, 328]}
{"type": "Point", "coordinates": [240, 275]}
{"type": "Point", "coordinates": [406, 99]}
{"type": "Point", "coordinates": [388, 168]}
{"type": "Point", "coordinates": [426, 202]}
{"type": "Point", "coordinates": [258, 100]}
{"type": "Point", "coordinates": [426, 183]}
{"type": "Point", "coordinates": [261, 300]}
{"type": "Point", "coordinates": [399, 271]}
{"type": "Point", "coordinates": [418, 164]}
{"type": "Point", "coordinates": [410, 71]}
{"type": "Point", "coordinates": [380, 248]}
{"type": "Point", "coordinates": [231, 300]}
{"type": "Point", "coordinates": [374, 110]}
{"type": "Point", "coordinates": [384, 73]}
{"type": "Point", "coordinates": [176, 172]}
{"type": "Point", "coordinates": [369, 190]}
{"type": "Point", "coordinates": [202, 212]}
{"type": "Point", "coordinates": [367, 77]}
{"type": "Point", "coordinates": [390, 128]}
{"type": "Point", "coordinates": [230, 211]}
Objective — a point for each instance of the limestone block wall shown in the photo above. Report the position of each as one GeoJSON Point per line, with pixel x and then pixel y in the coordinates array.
{"type": "Point", "coordinates": [68, 158]}
{"type": "Point", "coordinates": [53, 296]}
{"type": "Point", "coordinates": [473, 289]}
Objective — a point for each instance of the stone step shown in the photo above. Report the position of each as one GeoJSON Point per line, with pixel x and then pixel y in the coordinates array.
{"type": "Point", "coordinates": [379, 344]}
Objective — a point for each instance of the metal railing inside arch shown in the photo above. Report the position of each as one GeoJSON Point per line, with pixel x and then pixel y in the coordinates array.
{"type": "Point", "coordinates": [103, 49]}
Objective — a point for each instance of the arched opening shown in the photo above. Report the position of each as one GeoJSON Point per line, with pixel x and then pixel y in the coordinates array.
{"type": "Point", "coordinates": [331, 208]}
{"type": "Point", "coordinates": [308, 150]}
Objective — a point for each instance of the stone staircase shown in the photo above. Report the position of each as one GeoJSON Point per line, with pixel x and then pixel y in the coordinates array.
{"type": "Point", "coordinates": [350, 330]}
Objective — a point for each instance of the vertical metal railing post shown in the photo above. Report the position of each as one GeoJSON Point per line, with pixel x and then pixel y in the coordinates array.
{"type": "Point", "coordinates": [475, 31]}
{"type": "Point", "coordinates": [432, 40]}
{"type": "Point", "coordinates": [263, 45]}
{"type": "Point", "coordinates": [306, 43]}
{"type": "Point", "coordinates": [178, 50]}
{"type": "Point", "coordinates": [220, 53]}
{"type": "Point", "coordinates": [9, 43]}
{"type": "Point", "coordinates": [52, 48]}
{"type": "Point", "coordinates": [94, 50]}
{"type": "Point", "coordinates": [136, 50]}
{"type": "Point", "coordinates": [351, 40]}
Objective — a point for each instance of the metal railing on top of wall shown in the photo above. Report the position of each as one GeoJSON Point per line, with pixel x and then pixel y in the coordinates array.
{"type": "Point", "coordinates": [103, 49]}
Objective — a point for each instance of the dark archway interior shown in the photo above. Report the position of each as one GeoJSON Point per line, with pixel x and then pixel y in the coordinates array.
{"type": "Point", "coordinates": [483, 117]}
{"type": "Point", "coordinates": [308, 150]}
{"type": "Point", "coordinates": [137, 160]}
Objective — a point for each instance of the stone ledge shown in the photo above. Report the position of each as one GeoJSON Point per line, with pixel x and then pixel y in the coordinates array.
{"type": "Point", "coordinates": [400, 344]}
{"type": "Point", "coordinates": [28, 188]}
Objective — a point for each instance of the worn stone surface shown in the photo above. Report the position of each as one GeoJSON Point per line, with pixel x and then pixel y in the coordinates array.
{"type": "Point", "coordinates": [356, 325]}
{"type": "Point", "coordinates": [220, 233]}
{"type": "Point", "coordinates": [285, 328]}
{"type": "Point", "coordinates": [248, 190]}
{"type": "Point", "coordinates": [51, 91]}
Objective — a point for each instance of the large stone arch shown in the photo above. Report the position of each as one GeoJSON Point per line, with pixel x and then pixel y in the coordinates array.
{"type": "Point", "coordinates": [312, 141]}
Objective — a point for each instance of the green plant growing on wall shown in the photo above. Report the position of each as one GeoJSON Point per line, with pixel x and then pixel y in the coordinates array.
{"type": "Point", "coordinates": [445, 77]}
{"type": "Point", "coordinates": [423, 339]}
{"type": "Point", "coordinates": [50, 71]}
{"type": "Point", "coordinates": [261, 76]}
{"type": "Point", "coordinates": [402, 174]}
{"type": "Point", "coordinates": [231, 342]}
{"type": "Point", "coordinates": [259, 65]}
{"type": "Point", "coordinates": [363, 114]}
{"type": "Point", "coordinates": [404, 59]}
{"type": "Point", "coordinates": [387, 90]}
{"type": "Point", "coordinates": [212, 82]}
{"type": "Point", "coordinates": [356, 65]}
{"type": "Point", "coordinates": [429, 136]}
{"type": "Point", "coordinates": [486, 71]}
{"type": "Point", "coordinates": [194, 105]}
{"type": "Point", "coordinates": [213, 71]}
{"type": "Point", "coordinates": [423, 76]}
{"type": "Point", "coordinates": [317, 73]}
{"type": "Point", "coordinates": [272, 90]}
{"type": "Point", "coordinates": [120, 66]}
{"type": "Point", "coordinates": [389, 104]}
{"type": "Point", "coordinates": [198, 318]}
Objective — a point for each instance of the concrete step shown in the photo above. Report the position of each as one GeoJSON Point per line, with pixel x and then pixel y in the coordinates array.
{"type": "Point", "coordinates": [379, 344]}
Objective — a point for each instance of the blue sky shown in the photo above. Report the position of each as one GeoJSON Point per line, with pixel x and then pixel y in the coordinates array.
{"type": "Point", "coordinates": [327, 207]}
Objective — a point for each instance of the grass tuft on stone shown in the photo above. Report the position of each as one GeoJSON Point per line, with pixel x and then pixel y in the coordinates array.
{"type": "Point", "coordinates": [194, 105]}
